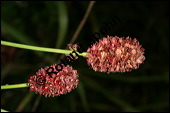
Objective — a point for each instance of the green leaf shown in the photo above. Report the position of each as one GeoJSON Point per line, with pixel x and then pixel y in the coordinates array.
{"type": "Point", "coordinates": [63, 23]}
{"type": "Point", "coordinates": [16, 34]}
{"type": "Point", "coordinates": [82, 93]}
{"type": "Point", "coordinates": [116, 100]}
{"type": "Point", "coordinates": [25, 102]}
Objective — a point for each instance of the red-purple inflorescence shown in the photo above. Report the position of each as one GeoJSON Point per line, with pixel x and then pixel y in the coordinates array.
{"type": "Point", "coordinates": [114, 54]}
{"type": "Point", "coordinates": [58, 82]}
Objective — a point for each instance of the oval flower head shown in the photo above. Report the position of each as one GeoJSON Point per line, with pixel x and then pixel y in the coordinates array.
{"type": "Point", "coordinates": [114, 54]}
{"type": "Point", "coordinates": [50, 82]}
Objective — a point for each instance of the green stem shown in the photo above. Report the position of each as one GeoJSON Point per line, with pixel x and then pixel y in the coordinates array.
{"type": "Point", "coordinates": [23, 46]}
{"type": "Point", "coordinates": [2, 110]}
{"type": "Point", "coordinates": [14, 86]}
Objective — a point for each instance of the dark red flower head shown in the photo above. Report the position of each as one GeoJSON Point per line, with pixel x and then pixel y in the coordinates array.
{"type": "Point", "coordinates": [58, 82]}
{"type": "Point", "coordinates": [114, 54]}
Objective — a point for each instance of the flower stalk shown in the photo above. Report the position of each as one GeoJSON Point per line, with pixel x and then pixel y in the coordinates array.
{"type": "Point", "coordinates": [35, 48]}
{"type": "Point", "coordinates": [23, 85]}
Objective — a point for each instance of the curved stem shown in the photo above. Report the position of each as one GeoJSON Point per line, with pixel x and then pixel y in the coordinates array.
{"type": "Point", "coordinates": [79, 28]}
{"type": "Point", "coordinates": [23, 46]}
{"type": "Point", "coordinates": [82, 22]}
{"type": "Point", "coordinates": [23, 85]}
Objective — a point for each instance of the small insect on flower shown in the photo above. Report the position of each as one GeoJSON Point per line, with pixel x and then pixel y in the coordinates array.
{"type": "Point", "coordinates": [73, 47]}
{"type": "Point", "coordinates": [114, 54]}
{"type": "Point", "coordinates": [55, 82]}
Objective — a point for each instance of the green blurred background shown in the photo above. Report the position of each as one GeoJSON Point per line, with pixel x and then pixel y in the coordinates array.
{"type": "Point", "coordinates": [52, 24]}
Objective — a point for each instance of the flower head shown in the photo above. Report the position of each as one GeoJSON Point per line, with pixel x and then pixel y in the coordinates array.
{"type": "Point", "coordinates": [58, 82]}
{"type": "Point", "coordinates": [114, 54]}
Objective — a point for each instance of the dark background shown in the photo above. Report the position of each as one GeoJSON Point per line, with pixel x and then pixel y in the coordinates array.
{"type": "Point", "coordinates": [43, 24]}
